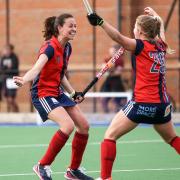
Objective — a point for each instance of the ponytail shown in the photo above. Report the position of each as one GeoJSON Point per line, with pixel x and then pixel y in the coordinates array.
{"type": "Point", "coordinates": [168, 49]}
{"type": "Point", "coordinates": [51, 25]}
{"type": "Point", "coordinates": [49, 29]}
{"type": "Point", "coordinates": [151, 26]}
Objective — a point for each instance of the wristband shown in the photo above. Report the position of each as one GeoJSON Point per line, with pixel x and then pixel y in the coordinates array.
{"type": "Point", "coordinates": [72, 94]}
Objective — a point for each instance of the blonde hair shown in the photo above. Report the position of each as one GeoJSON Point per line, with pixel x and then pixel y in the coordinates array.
{"type": "Point", "coordinates": [151, 27]}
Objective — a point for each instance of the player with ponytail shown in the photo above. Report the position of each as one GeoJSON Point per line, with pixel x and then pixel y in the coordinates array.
{"type": "Point", "coordinates": [150, 103]}
{"type": "Point", "coordinates": [49, 76]}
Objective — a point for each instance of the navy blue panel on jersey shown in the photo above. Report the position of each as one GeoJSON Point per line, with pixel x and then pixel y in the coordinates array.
{"type": "Point", "coordinates": [139, 46]}
{"type": "Point", "coordinates": [148, 113]}
{"type": "Point", "coordinates": [49, 51]}
{"type": "Point", "coordinates": [46, 104]}
{"type": "Point", "coordinates": [160, 87]}
{"type": "Point", "coordinates": [133, 61]}
{"type": "Point", "coordinates": [68, 50]}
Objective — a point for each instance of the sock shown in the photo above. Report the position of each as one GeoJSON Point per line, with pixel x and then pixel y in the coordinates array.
{"type": "Point", "coordinates": [108, 155]}
{"type": "Point", "coordinates": [175, 143]}
{"type": "Point", "coordinates": [78, 146]}
{"type": "Point", "coordinates": [57, 142]}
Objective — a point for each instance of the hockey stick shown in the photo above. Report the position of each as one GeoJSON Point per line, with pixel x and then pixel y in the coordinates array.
{"type": "Point", "coordinates": [87, 6]}
{"type": "Point", "coordinates": [107, 66]}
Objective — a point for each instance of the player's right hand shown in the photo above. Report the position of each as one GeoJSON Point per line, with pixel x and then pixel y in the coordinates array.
{"type": "Point", "coordinates": [78, 97]}
{"type": "Point", "coordinates": [18, 81]}
{"type": "Point", "coordinates": [94, 19]}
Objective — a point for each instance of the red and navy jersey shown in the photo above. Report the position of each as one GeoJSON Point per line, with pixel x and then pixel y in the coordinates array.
{"type": "Point", "coordinates": [48, 82]}
{"type": "Point", "coordinates": [149, 72]}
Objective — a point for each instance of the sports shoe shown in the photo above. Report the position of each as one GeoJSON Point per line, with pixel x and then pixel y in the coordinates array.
{"type": "Point", "coordinates": [76, 175]}
{"type": "Point", "coordinates": [43, 172]}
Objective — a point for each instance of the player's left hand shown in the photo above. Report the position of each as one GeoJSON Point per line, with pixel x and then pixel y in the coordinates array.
{"type": "Point", "coordinates": [77, 97]}
{"type": "Point", "coordinates": [94, 19]}
{"type": "Point", "coordinates": [149, 11]}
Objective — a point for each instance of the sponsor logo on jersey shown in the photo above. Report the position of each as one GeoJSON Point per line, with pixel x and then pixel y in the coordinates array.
{"type": "Point", "coordinates": [148, 111]}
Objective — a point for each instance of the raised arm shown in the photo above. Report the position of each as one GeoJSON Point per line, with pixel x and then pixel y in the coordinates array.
{"type": "Point", "coordinates": [149, 11]}
{"type": "Point", "coordinates": [113, 33]}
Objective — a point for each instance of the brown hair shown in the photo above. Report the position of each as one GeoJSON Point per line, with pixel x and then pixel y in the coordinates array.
{"type": "Point", "coordinates": [51, 25]}
{"type": "Point", "coordinates": [151, 26]}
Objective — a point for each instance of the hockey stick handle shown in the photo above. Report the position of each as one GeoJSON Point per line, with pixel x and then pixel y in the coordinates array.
{"type": "Point", "coordinates": [90, 85]}
{"type": "Point", "coordinates": [107, 66]}
{"type": "Point", "coordinates": [87, 6]}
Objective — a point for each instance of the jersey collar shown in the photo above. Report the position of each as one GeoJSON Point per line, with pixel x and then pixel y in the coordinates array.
{"type": "Point", "coordinates": [55, 40]}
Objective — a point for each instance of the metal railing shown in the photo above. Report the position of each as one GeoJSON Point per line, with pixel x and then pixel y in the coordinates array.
{"type": "Point", "coordinates": [73, 72]}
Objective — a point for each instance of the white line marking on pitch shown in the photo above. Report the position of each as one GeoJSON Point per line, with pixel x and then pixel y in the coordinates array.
{"type": "Point", "coordinates": [115, 171]}
{"type": "Point", "coordinates": [93, 143]}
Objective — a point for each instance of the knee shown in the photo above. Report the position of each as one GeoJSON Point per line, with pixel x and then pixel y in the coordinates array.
{"type": "Point", "coordinates": [67, 128]}
{"type": "Point", "coordinates": [84, 128]}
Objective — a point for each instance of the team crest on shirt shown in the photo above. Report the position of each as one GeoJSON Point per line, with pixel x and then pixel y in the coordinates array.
{"type": "Point", "coordinates": [58, 59]}
{"type": "Point", "coordinates": [54, 101]}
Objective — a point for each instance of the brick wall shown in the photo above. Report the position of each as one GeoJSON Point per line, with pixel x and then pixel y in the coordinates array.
{"type": "Point", "coordinates": [26, 23]}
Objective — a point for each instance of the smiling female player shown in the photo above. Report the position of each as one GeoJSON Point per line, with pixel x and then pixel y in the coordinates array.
{"type": "Point", "coordinates": [48, 75]}
{"type": "Point", "coordinates": [150, 103]}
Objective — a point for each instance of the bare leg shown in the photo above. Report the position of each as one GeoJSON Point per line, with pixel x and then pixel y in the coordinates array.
{"type": "Point", "coordinates": [9, 105]}
{"type": "Point", "coordinates": [15, 107]}
{"type": "Point", "coordinates": [104, 102]}
{"type": "Point", "coordinates": [60, 116]}
{"type": "Point", "coordinates": [81, 136]}
{"type": "Point", "coordinates": [119, 126]}
{"type": "Point", "coordinates": [167, 132]}
{"type": "Point", "coordinates": [78, 118]}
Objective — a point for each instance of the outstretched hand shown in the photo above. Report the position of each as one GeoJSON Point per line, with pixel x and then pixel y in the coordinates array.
{"type": "Point", "coordinates": [94, 19]}
{"type": "Point", "coordinates": [77, 97]}
{"type": "Point", "coordinates": [18, 81]}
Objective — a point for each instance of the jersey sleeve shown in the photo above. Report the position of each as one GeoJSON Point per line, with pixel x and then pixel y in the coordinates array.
{"type": "Point", "coordinates": [48, 50]}
{"type": "Point", "coordinates": [139, 46]}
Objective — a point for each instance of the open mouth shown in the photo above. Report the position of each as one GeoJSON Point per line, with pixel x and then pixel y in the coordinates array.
{"type": "Point", "coordinates": [72, 33]}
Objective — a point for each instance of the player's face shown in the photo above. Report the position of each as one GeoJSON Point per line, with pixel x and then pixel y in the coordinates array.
{"type": "Point", "coordinates": [136, 31]}
{"type": "Point", "coordinates": [68, 30]}
{"type": "Point", "coordinates": [6, 51]}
